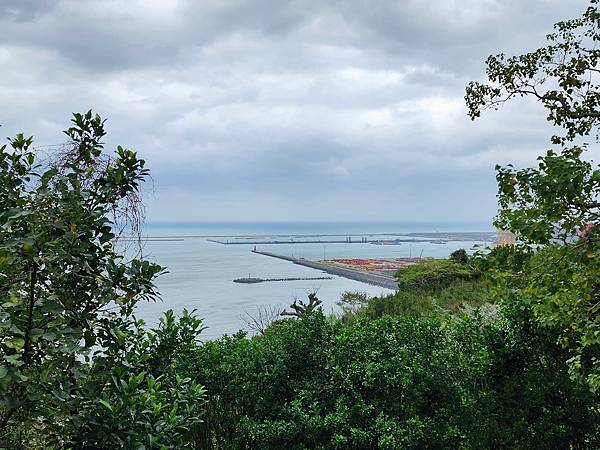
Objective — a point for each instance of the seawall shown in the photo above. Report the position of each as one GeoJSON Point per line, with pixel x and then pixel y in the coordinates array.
{"type": "Point", "coordinates": [364, 277]}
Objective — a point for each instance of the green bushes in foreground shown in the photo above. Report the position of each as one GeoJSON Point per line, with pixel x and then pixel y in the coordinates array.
{"type": "Point", "coordinates": [391, 383]}
{"type": "Point", "coordinates": [408, 370]}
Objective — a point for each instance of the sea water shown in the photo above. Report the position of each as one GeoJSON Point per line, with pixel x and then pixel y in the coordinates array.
{"type": "Point", "coordinates": [201, 273]}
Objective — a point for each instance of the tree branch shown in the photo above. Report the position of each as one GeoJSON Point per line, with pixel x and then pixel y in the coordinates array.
{"type": "Point", "coordinates": [29, 326]}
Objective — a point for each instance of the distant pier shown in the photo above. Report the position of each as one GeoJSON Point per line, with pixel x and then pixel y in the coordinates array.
{"type": "Point", "coordinates": [348, 240]}
{"type": "Point", "coordinates": [392, 238]}
{"type": "Point", "coordinates": [374, 279]}
{"type": "Point", "coordinates": [253, 280]}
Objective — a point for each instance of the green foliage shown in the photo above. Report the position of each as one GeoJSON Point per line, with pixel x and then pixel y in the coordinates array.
{"type": "Point", "coordinates": [563, 76]}
{"type": "Point", "coordinates": [503, 258]}
{"type": "Point", "coordinates": [432, 275]}
{"type": "Point", "coordinates": [562, 287]}
{"type": "Point", "coordinates": [457, 297]}
{"type": "Point", "coordinates": [143, 402]}
{"type": "Point", "coordinates": [559, 197]}
{"type": "Point", "coordinates": [351, 302]}
{"type": "Point", "coordinates": [558, 201]}
{"type": "Point", "coordinates": [460, 256]}
{"type": "Point", "coordinates": [434, 285]}
{"type": "Point", "coordinates": [535, 402]}
{"type": "Point", "coordinates": [67, 297]}
{"type": "Point", "coordinates": [391, 383]}
{"type": "Point", "coordinates": [553, 201]}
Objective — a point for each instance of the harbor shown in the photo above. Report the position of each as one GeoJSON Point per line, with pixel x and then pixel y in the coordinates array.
{"type": "Point", "coordinates": [348, 240]}
{"type": "Point", "coordinates": [382, 278]}
{"type": "Point", "coordinates": [375, 239]}
{"type": "Point", "coordinates": [194, 261]}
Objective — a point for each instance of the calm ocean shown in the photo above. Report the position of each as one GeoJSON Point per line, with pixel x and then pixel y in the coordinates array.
{"type": "Point", "coordinates": [201, 273]}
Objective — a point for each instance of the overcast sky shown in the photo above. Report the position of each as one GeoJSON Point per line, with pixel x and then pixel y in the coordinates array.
{"type": "Point", "coordinates": [283, 110]}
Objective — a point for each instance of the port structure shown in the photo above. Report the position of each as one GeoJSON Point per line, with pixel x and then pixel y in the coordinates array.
{"type": "Point", "coordinates": [253, 280]}
{"type": "Point", "coordinates": [382, 276]}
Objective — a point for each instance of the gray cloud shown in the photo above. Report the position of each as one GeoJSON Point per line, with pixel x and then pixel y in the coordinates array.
{"type": "Point", "coordinates": [250, 110]}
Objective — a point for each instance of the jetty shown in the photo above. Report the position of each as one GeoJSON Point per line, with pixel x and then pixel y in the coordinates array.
{"type": "Point", "coordinates": [376, 239]}
{"type": "Point", "coordinates": [375, 279]}
{"type": "Point", "coordinates": [252, 280]}
{"type": "Point", "coordinates": [348, 240]}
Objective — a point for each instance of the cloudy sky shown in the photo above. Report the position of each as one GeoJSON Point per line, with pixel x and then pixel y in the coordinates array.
{"type": "Point", "coordinates": [283, 110]}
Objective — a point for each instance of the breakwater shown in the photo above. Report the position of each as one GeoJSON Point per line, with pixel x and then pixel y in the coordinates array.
{"type": "Point", "coordinates": [377, 239]}
{"type": "Point", "coordinates": [252, 280]}
{"type": "Point", "coordinates": [384, 281]}
{"type": "Point", "coordinates": [348, 240]}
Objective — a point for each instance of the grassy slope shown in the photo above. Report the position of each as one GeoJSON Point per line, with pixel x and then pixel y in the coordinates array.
{"type": "Point", "coordinates": [431, 286]}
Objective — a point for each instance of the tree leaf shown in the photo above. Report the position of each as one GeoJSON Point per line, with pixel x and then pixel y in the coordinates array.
{"type": "Point", "coordinates": [16, 343]}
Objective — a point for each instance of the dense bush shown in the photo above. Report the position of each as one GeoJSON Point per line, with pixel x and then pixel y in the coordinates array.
{"type": "Point", "coordinates": [391, 383]}
{"type": "Point", "coordinates": [433, 274]}
{"type": "Point", "coordinates": [141, 401]}
{"type": "Point", "coordinates": [455, 298]}
{"type": "Point", "coordinates": [460, 256]}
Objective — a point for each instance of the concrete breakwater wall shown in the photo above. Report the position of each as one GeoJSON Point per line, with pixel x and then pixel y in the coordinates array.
{"type": "Point", "coordinates": [321, 241]}
{"type": "Point", "coordinates": [364, 277]}
{"type": "Point", "coordinates": [252, 280]}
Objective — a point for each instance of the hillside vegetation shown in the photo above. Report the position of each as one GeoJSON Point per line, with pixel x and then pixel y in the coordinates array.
{"type": "Point", "coordinates": [498, 350]}
{"type": "Point", "coordinates": [409, 370]}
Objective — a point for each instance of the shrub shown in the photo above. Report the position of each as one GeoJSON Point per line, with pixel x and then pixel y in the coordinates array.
{"type": "Point", "coordinates": [460, 256]}
{"type": "Point", "coordinates": [432, 275]}
{"type": "Point", "coordinates": [393, 382]}
{"type": "Point", "coordinates": [455, 298]}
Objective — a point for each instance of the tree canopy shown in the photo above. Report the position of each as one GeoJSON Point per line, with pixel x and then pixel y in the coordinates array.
{"type": "Point", "coordinates": [70, 346]}
{"type": "Point", "coordinates": [555, 206]}
{"type": "Point", "coordinates": [563, 76]}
